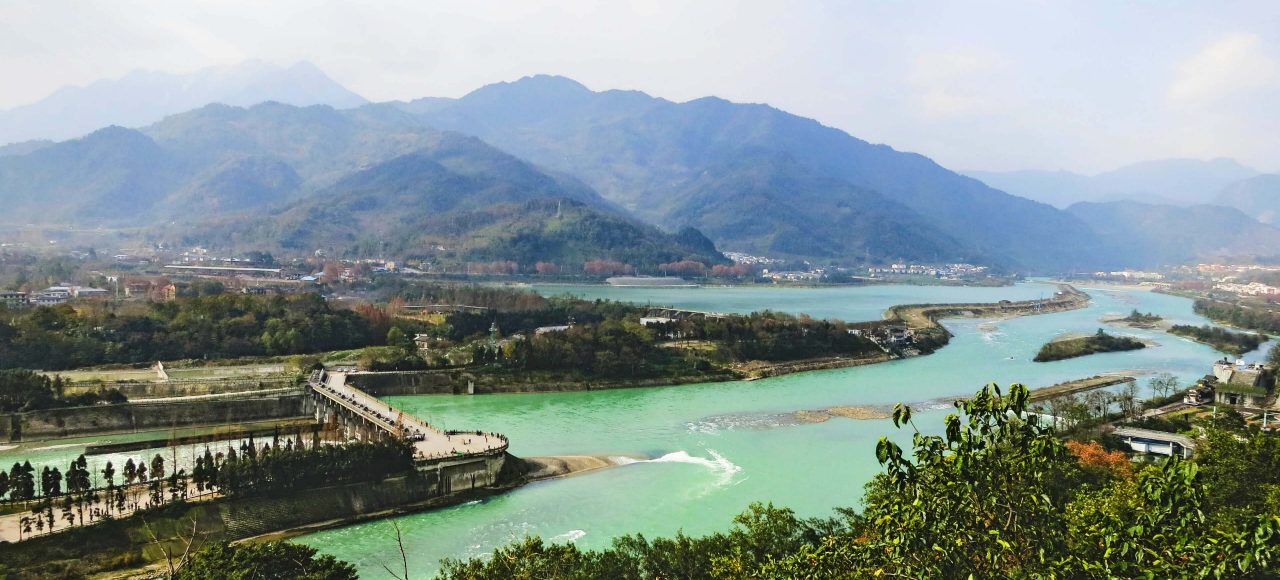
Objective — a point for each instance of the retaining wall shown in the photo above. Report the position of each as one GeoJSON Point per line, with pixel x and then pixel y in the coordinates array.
{"type": "Point", "coordinates": [180, 388]}
{"type": "Point", "coordinates": [140, 416]}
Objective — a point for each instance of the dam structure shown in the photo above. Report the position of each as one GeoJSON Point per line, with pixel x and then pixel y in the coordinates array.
{"type": "Point", "coordinates": [363, 416]}
{"type": "Point", "coordinates": [458, 460]}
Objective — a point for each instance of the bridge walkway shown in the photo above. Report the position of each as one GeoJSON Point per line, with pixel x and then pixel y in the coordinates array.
{"type": "Point", "coordinates": [428, 442]}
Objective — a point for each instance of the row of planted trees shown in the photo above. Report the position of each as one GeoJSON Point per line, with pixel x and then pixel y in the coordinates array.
{"type": "Point", "coordinates": [246, 470]}
{"type": "Point", "coordinates": [80, 498]}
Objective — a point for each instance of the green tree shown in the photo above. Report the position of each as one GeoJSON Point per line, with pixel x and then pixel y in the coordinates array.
{"type": "Point", "coordinates": [267, 561]}
{"type": "Point", "coordinates": [398, 339]}
{"type": "Point", "coordinates": [109, 475]}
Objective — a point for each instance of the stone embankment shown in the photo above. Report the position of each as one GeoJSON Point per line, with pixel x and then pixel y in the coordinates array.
{"type": "Point", "coordinates": [138, 390]}
{"type": "Point", "coordinates": [151, 415]}
{"type": "Point", "coordinates": [926, 316]}
{"type": "Point", "coordinates": [763, 369]}
{"type": "Point", "coordinates": [1077, 386]}
{"type": "Point", "coordinates": [923, 319]}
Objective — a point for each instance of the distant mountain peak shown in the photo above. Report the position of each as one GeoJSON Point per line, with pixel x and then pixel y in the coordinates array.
{"type": "Point", "coordinates": [550, 82]}
{"type": "Point", "coordinates": [535, 86]}
{"type": "Point", "coordinates": [143, 97]}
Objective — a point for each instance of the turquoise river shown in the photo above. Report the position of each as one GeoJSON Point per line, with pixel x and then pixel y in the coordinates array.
{"type": "Point", "coordinates": [713, 449]}
{"type": "Point", "coordinates": [694, 456]}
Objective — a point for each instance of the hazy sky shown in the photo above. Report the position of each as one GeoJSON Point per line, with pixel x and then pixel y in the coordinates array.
{"type": "Point", "coordinates": [1085, 86]}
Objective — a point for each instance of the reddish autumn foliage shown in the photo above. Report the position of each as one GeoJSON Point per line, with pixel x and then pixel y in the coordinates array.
{"type": "Point", "coordinates": [738, 270]}
{"type": "Point", "coordinates": [606, 268]}
{"type": "Point", "coordinates": [1093, 457]}
{"type": "Point", "coordinates": [683, 268]}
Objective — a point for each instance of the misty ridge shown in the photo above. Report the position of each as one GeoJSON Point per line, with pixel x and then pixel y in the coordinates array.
{"type": "Point", "coordinates": [260, 157]}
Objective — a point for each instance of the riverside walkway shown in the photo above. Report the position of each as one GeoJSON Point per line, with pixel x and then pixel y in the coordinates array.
{"type": "Point", "coordinates": [428, 442]}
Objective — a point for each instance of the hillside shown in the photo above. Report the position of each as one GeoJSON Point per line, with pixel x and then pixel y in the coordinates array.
{"type": "Point", "coordinates": [661, 159]}
{"type": "Point", "coordinates": [1259, 197]}
{"type": "Point", "coordinates": [1158, 235]}
{"type": "Point", "coordinates": [457, 200]}
{"type": "Point", "coordinates": [113, 174]}
{"type": "Point", "coordinates": [213, 159]}
{"type": "Point", "coordinates": [142, 97]}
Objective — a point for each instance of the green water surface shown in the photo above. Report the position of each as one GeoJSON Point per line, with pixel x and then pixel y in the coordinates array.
{"type": "Point", "coordinates": [712, 449]}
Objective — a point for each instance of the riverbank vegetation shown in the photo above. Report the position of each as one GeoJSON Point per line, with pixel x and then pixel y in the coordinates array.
{"type": "Point", "coordinates": [264, 561]}
{"type": "Point", "coordinates": [998, 495]}
{"type": "Point", "coordinates": [464, 326]}
{"type": "Point", "coordinates": [1087, 345]}
{"type": "Point", "coordinates": [511, 331]}
{"type": "Point", "coordinates": [1136, 318]}
{"type": "Point", "coordinates": [1223, 340]}
{"type": "Point", "coordinates": [1250, 317]}
{"type": "Point", "coordinates": [22, 390]}
{"type": "Point", "coordinates": [220, 326]}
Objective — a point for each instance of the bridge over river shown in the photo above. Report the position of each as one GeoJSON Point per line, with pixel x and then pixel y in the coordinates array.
{"type": "Point", "coordinates": [363, 416]}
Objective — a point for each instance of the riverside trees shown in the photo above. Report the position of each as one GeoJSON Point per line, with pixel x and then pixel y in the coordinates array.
{"type": "Point", "coordinates": [1084, 346]}
{"type": "Point", "coordinates": [269, 469]}
{"type": "Point", "coordinates": [221, 326]}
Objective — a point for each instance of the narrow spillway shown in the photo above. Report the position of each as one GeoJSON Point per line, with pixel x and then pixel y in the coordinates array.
{"type": "Point", "coordinates": [714, 448]}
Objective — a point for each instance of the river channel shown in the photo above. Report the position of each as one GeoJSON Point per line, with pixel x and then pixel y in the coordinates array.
{"type": "Point", "coordinates": [707, 451]}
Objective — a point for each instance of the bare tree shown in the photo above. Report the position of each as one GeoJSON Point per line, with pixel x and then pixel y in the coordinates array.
{"type": "Point", "coordinates": [188, 542]}
{"type": "Point", "coordinates": [1129, 398]}
{"type": "Point", "coordinates": [1163, 384]}
{"type": "Point", "coordinates": [1098, 402]}
{"type": "Point", "coordinates": [404, 559]}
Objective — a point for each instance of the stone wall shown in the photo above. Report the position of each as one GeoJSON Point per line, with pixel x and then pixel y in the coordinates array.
{"type": "Point", "coordinates": [442, 382]}
{"type": "Point", "coordinates": [181, 388]}
{"type": "Point", "coordinates": [141, 416]}
{"type": "Point", "coordinates": [441, 483]}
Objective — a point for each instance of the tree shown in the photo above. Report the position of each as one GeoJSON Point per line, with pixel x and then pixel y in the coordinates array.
{"type": "Point", "coordinates": [109, 475]}
{"type": "Point", "coordinates": [1127, 398]}
{"type": "Point", "coordinates": [1163, 385]}
{"type": "Point", "coordinates": [157, 480]}
{"type": "Point", "coordinates": [1273, 356]}
{"type": "Point", "coordinates": [266, 561]}
{"type": "Point", "coordinates": [78, 484]}
{"type": "Point", "coordinates": [398, 339]}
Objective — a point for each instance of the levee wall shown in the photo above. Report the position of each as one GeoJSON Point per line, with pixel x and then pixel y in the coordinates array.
{"type": "Point", "coordinates": [180, 388]}
{"type": "Point", "coordinates": [139, 416]}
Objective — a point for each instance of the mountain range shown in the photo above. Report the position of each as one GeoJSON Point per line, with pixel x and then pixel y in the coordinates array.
{"type": "Point", "coordinates": [758, 179]}
{"type": "Point", "coordinates": [1184, 182]}
{"type": "Point", "coordinates": [1258, 196]}
{"type": "Point", "coordinates": [544, 169]}
{"type": "Point", "coordinates": [144, 97]}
